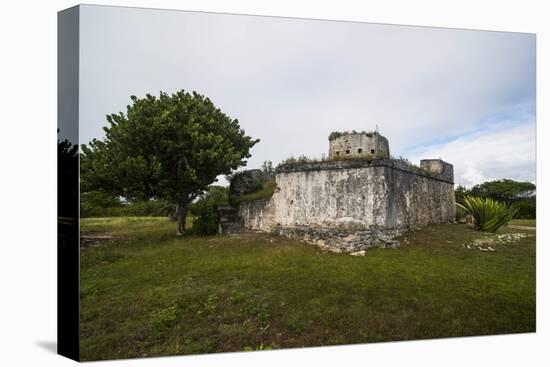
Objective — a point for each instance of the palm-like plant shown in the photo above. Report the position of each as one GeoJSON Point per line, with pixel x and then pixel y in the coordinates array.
{"type": "Point", "coordinates": [460, 213]}
{"type": "Point", "coordinates": [489, 214]}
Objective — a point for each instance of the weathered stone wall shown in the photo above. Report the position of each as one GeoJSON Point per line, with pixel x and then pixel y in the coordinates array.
{"type": "Point", "coordinates": [229, 219]}
{"type": "Point", "coordinates": [258, 214]}
{"type": "Point", "coordinates": [438, 167]}
{"type": "Point", "coordinates": [353, 145]}
{"type": "Point", "coordinates": [384, 194]}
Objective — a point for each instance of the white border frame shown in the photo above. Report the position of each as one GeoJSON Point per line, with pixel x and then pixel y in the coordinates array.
{"type": "Point", "coordinates": [28, 269]}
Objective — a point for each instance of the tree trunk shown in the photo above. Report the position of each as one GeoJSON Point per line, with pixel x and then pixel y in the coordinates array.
{"type": "Point", "coordinates": [181, 215]}
{"type": "Point", "coordinates": [174, 216]}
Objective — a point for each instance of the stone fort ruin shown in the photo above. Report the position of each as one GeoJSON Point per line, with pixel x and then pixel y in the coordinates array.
{"type": "Point", "coordinates": [357, 198]}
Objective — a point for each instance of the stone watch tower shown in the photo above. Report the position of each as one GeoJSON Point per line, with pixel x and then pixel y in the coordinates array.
{"type": "Point", "coordinates": [358, 145]}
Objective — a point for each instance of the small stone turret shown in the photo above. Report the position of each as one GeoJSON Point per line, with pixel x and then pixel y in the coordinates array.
{"type": "Point", "coordinates": [443, 169]}
{"type": "Point", "coordinates": [358, 145]}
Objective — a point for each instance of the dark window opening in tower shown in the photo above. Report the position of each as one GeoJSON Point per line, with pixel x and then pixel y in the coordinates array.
{"type": "Point", "coordinates": [372, 151]}
{"type": "Point", "coordinates": [337, 153]}
{"type": "Point", "coordinates": [359, 150]}
{"type": "Point", "coordinates": [347, 151]}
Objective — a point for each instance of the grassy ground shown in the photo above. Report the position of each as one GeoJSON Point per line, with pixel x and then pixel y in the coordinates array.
{"type": "Point", "coordinates": [151, 293]}
{"type": "Point", "coordinates": [524, 222]}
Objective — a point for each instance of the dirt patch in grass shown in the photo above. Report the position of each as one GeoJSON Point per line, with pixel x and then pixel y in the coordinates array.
{"type": "Point", "coordinates": [88, 240]}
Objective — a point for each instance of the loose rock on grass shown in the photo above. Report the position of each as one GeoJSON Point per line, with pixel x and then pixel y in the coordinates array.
{"type": "Point", "coordinates": [489, 242]}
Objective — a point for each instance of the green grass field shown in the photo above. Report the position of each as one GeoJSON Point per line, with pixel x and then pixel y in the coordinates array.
{"type": "Point", "coordinates": [148, 292]}
{"type": "Point", "coordinates": [524, 222]}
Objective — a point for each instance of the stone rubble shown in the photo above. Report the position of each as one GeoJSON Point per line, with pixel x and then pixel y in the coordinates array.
{"type": "Point", "coordinates": [339, 240]}
{"type": "Point", "coordinates": [488, 242]}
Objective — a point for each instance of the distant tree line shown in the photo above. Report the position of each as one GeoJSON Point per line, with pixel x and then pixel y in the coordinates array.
{"type": "Point", "coordinates": [521, 194]}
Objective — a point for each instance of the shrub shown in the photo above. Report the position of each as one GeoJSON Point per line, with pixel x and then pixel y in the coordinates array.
{"type": "Point", "coordinates": [150, 208]}
{"type": "Point", "coordinates": [93, 205]}
{"type": "Point", "coordinates": [265, 191]}
{"type": "Point", "coordinates": [336, 134]}
{"type": "Point", "coordinates": [460, 193]}
{"type": "Point", "coordinates": [205, 216]}
{"type": "Point", "coordinates": [527, 209]}
{"type": "Point", "coordinates": [489, 214]}
{"type": "Point", "coordinates": [301, 159]}
{"type": "Point", "coordinates": [268, 169]}
{"type": "Point", "coordinates": [205, 220]}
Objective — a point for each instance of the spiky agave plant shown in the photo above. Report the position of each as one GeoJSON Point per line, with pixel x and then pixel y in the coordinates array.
{"type": "Point", "coordinates": [460, 213]}
{"type": "Point", "coordinates": [489, 214]}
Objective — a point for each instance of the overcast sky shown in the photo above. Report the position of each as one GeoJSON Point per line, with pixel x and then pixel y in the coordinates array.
{"type": "Point", "coordinates": [467, 97]}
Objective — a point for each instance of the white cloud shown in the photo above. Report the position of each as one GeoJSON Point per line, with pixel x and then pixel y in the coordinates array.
{"type": "Point", "coordinates": [290, 82]}
{"type": "Point", "coordinates": [504, 151]}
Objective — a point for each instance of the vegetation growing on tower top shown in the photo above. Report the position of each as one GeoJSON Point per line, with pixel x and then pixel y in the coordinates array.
{"type": "Point", "coordinates": [336, 134]}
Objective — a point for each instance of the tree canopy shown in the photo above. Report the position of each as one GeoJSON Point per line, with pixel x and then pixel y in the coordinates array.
{"type": "Point", "coordinates": [170, 147]}
{"type": "Point", "coordinates": [520, 193]}
{"type": "Point", "coordinates": [505, 190]}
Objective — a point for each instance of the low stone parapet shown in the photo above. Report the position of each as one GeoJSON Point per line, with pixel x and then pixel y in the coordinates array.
{"type": "Point", "coordinates": [444, 172]}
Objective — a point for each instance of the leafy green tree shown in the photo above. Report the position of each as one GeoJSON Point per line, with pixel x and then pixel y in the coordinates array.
{"type": "Point", "coordinates": [267, 168]}
{"type": "Point", "coordinates": [504, 190]}
{"type": "Point", "coordinates": [522, 194]}
{"type": "Point", "coordinates": [169, 147]}
{"type": "Point", "coordinates": [94, 203]}
{"type": "Point", "coordinates": [460, 193]}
